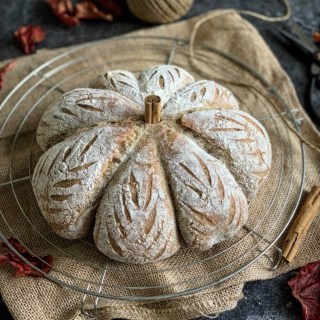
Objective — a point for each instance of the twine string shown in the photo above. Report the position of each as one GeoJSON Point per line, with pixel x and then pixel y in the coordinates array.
{"type": "Point", "coordinates": [257, 15]}
{"type": "Point", "coordinates": [263, 17]}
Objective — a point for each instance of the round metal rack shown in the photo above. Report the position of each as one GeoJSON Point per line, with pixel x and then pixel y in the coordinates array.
{"type": "Point", "coordinates": [73, 68]}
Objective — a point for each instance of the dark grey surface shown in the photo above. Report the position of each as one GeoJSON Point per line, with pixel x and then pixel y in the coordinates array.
{"type": "Point", "coordinates": [265, 300]}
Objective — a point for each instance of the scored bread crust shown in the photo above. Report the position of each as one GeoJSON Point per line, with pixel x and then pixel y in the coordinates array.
{"type": "Point", "coordinates": [184, 180]}
{"type": "Point", "coordinates": [135, 220]}
{"type": "Point", "coordinates": [162, 81]}
{"type": "Point", "coordinates": [239, 141]}
{"type": "Point", "coordinates": [69, 180]}
{"type": "Point", "coordinates": [210, 204]}
{"type": "Point", "coordinates": [81, 108]}
{"type": "Point", "coordinates": [204, 93]}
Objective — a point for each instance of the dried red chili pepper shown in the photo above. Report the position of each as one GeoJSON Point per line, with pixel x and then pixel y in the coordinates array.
{"type": "Point", "coordinates": [305, 287]}
{"type": "Point", "coordinates": [88, 10]}
{"type": "Point", "coordinates": [65, 11]}
{"type": "Point", "coordinates": [316, 37]}
{"type": "Point", "coordinates": [28, 36]}
{"type": "Point", "coordinates": [24, 269]}
{"type": "Point", "coordinates": [9, 66]}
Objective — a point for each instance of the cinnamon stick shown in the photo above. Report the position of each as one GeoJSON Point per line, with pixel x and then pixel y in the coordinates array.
{"type": "Point", "coordinates": [152, 110]}
{"type": "Point", "coordinates": [148, 111]}
{"type": "Point", "coordinates": [301, 224]}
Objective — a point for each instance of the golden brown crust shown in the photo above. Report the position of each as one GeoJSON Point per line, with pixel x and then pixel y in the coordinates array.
{"type": "Point", "coordinates": [239, 140]}
{"type": "Point", "coordinates": [70, 176]}
{"type": "Point", "coordinates": [135, 221]}
{"type": "Point", "coordinates": [209, 203]}
{"type": "Point", "coordinates": [154, 179]}
{"type": "Point", "coordinates": [82, 108]}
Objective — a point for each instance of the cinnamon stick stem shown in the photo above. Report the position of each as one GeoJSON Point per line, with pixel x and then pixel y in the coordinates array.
{"type": "Point", "coordinates": [148, 111]}
{"type": "Point", "coordinates": [301, 224]}
{"type": "Point", "coordinates": [156, 109]}
{"type": "Point", "coordinates": [152, 109]}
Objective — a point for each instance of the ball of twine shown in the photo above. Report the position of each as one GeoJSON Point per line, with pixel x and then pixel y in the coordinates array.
{"type": "Point", "coordinates": [159, 11]}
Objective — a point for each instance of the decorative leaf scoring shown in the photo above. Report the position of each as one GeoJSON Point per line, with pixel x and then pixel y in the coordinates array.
{"type": "Point", "coordinates": [141, 193]}
{"type": "Point", "coordinates": [149, 188]}
{"type": "Point", "coordinates": [88, 145]}
{"type": "Point", "coordinates": [78, 170]}
{"type": "Point", "coordinates": [43, 124]}
{"type": "Point", "coordinates": [114, 245]}
{"type": "Point", "coordinates": [150, 221]}
{"type": "Point", "coordinates": [67, 183]}
{"type": "Point", "coordinates": [193, 97]}
{"type": "Point", "coordinates": [81, 104]}
{"type": "Point", "coordinates": [204, 168]}
{"type": "Point", "coordinates": [133, 188]}
{"type": "Point", "coordinates": [220, 188]}
{"type": "Point", "coordinates": [135, 221]}
{"type": "Point", "coordinates": [67, 154]}
{"type": "Point", "coordinates": [121, 81]}
{"type": "Point", "coordinates": [83, 167]}
{"type": "Point", "coordinates": [67, 111]}
{"type": "Point", "coordinates": [59, 197]}
{"type": "Point", "coordinates": [232, 210]}
{"type": "Point", "coordinates": [201, 94]}
{"type": "Point", "coordinates": [85, 108]}
{"type": "Point", "coordinates": [245, 143]}
{"type": "Point", "coordinates": [52, 164]}
{"type": "Point", "coordinates": [163, 81]}
{"type": "Point", "coordinates": [203, 189]}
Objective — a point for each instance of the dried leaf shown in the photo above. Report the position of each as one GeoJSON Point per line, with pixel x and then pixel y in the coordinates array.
{"type": "Point", "coordinates": [71, 14]}
{"type": "Point", "coordinates": [9, 66]}
{"type": "Point", "coordinates": [17, 245]}
{"type": "Point", "coordinates": [305, 287]}
{"type": "Point", "coordinates": [110, 6]}
{"type": "Point", "coordinates": [64, 11]}
{"type": "Point", "coordinates": [24, 269]}
{"type": "Point", "coordinates": [28, 36]}
{"type": "Point", "coordinates": [87, 10]}
{"type": "Point", "coordinates": [316, 37]}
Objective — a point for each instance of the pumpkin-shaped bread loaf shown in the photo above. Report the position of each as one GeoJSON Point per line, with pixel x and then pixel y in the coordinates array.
{"type": "Point", "coordinates": [157, 161]}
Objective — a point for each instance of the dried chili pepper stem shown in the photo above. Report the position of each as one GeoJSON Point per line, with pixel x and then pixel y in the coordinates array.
{"type": "Point", "coordinates": [301, 224]}
{"type": "Point", "coordinates": [152, 111]}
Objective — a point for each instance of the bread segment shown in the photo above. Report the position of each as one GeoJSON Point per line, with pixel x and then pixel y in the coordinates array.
{"type": "Point", "coordinates": [163, 81]}
{"type": "Point", "coordinates": [135, 222]}
{"type": "Point", "coordinates": [240, 141]}
{"type": "Point", "coordinates": [201, 94]}
{"type": "Point", "coordinates": [210, 205]}
{"type": "Point", "coordinates": [82, 108]}
{"type": "Point", "coordinates": [69, 177]}
{"type": "Point", "coordinates": [120, 81]}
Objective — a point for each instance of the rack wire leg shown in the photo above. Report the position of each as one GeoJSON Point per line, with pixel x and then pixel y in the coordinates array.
{"type": "Point", "coordinates": [92, 313]}
{"type": "Point", "coordinates": [274, 262]}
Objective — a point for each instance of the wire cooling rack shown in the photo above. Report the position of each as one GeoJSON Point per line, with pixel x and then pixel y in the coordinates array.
{"type": "Point", "coordinates": [257, 240]}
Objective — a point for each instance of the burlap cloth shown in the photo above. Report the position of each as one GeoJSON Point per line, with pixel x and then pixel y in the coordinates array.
{"type": "Point", "coordinates": [41, 299]}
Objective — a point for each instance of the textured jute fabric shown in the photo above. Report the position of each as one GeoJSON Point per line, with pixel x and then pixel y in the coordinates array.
{"type": "Point", "coordinates": [229, 50]}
